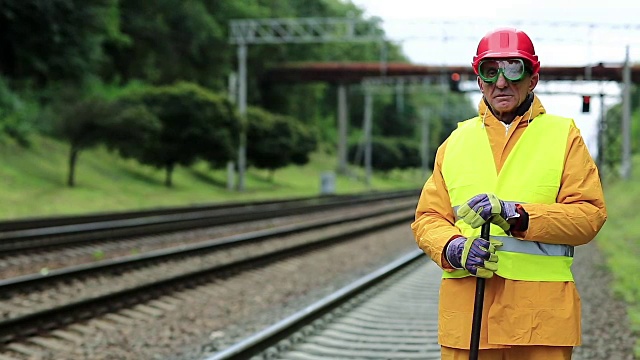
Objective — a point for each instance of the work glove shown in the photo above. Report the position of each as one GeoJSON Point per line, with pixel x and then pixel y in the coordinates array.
{"type": "Point", "coordinates": [487, 207]}
{"type": "Point", "coordinates": [476, 255]}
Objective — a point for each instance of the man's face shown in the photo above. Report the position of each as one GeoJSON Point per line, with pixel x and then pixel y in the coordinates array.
{"type": "Point", "coordinates": [504, 95]}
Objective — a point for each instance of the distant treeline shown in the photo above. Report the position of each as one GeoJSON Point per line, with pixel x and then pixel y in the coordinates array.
{"type": "Point", "coordinates": [149, 80]}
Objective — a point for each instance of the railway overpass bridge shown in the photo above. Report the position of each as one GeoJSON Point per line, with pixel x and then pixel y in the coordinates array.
{"type": "Point", "coordinates": [356, 72]}
{"type": "Point", "coordinates": [343, 74]}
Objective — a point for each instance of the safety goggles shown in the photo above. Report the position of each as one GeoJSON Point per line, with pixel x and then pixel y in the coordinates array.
{"type": "Point", "coordinates": [512, 69]}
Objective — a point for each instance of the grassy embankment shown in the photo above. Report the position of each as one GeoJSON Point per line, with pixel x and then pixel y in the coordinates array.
{"type": "Point", "coordinates": [32, 182]}
{"type": "Point", "coordinates": [619, 239]}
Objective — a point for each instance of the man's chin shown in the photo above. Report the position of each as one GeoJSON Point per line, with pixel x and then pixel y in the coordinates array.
{"type": "Point", "coordinates": [504, 106]}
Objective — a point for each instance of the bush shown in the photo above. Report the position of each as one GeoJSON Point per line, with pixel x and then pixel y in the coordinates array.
{"type": "Point", "coordinates": [195, 124]}
{"type": "Point", "coordinates": [275, 141]}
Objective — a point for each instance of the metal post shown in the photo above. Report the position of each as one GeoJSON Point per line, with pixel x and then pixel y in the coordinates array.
{"type": "Point", "coordinates": [342, 128]}
{"type": "Point", "coordinates": [588, 68]}
{"type": "Point", "coordinates": [368, 109]}
{"type": "Point", "coordinates": [242, 108]}
{"type": "Point", "coordinates": [424, 145]}
{"type": "Point", "coordinates": [231, 175]}
{"type": "Point", "coordinates": [400, 98]}
{"type": "Point", "coordinates": [626, 118]}
{"type": "Point", "coordinates": [383, 58]}
{"type": "Point", "coordinates": [601, 135]}
{"type": "Point", "coordinates": [233, 97]}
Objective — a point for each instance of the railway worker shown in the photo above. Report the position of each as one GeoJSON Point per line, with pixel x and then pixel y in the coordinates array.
{"type": "Point", "coordinates": [531, 176]}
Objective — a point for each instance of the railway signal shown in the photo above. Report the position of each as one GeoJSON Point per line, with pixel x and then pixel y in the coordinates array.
{"type": "Point", "coordinates": [586, 102]}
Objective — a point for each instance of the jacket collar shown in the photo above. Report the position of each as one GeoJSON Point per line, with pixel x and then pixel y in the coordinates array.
{"type": "Point", "coordinates": [527, 111]}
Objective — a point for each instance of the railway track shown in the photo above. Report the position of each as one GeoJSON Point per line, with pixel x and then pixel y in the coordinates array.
{"type": "Point", "coordinates": [388, 314]}
{"type": "Point", "coordinates": [71, 295]}
{"type": "Point", "coordinates": [55, 221]}
{"type": "Point", "coordinates": [47, 260]}
{"type": "Point", "coordinates": [35, 234]}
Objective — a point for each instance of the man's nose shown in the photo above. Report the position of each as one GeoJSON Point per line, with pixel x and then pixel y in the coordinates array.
{"type": "Point", "coordinates": [502, 82]}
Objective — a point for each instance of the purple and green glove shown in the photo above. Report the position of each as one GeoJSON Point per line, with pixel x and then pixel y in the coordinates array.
{"type": "Point", "coordinates": [487, 207]}
{"type": "Point", "coordinates": [476, 255]}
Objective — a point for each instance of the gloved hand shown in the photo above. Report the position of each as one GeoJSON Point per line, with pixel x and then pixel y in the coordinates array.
{"type": "Point", "coordinates": [476, 255]}
{"type": "Point", "coordinates": [487, 207]}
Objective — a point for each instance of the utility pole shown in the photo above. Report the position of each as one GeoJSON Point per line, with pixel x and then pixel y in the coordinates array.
{"type": "Point", "coordinates": [601, 135]}
{"type": "Point", "coordinates": [398, 85]}
{"type": "Point", "coordinates": [626, 118]}
{"type": "Point", "coordinates": [244, 32]}
{"type": "Point", "coordinates": [233, 97]}
{"type": "Point", "coordinates": [368, 120]}
{"type": "Point", "coordinates": [424, 145]}
{"type": "Point", "coordinates": [343, 124]}
{"type": "Point", "coordinates": [242, 109]}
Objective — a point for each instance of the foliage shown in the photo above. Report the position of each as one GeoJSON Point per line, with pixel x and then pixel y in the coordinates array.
{"type": "Point", "coordinates": [32, 182]}
{"type": "Point", "coordinates": [385, 154]}
{"type": "Point", "coordinates": [16, 115]}
{"type": "Point", "coordinates": [82, 123]}
{"type": "Point", "coordinates": [410, 153]}
{"type": "Point", "coordinates": [131, 128]}
{"type": "Point", "coordinates": [620, 232]}
{"type": "Point", "coordinates": [196, 124]}
{"type": "Point", "coordinates": [55, 52]}
{"type": "Point", "coordinates": [170, 41]}
{"type": "Point", "coordinates": [94, 121]}
{"type": "Point", "coordinates": [275, 141]}
{"type": "Point", "coordinates": [612, 132]}
{"type": "Point", "coordinates": [54, 40]}
{"type": "Point", "coordinates": [305, 142]}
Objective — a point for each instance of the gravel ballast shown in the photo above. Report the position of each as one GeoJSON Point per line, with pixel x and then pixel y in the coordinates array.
{"type": "Point", "coordinates": [205, 320]}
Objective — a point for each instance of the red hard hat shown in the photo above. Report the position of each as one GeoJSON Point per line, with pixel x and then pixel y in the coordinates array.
{"type": "Point", "coordinates": [506, 43]}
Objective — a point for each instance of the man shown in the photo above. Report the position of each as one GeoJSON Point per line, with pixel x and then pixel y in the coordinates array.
{"type": "Point", "coordinates": [531, 176]}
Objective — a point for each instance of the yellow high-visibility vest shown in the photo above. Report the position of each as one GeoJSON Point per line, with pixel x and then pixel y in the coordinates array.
{"type": "Point", "coordinates": [531, 174]}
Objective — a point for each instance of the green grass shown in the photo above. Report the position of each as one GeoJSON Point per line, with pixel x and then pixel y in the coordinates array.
{"type": "Point", "coordinates": [619, 240]}
{"type": "Point", "coordinates": [33, 182]}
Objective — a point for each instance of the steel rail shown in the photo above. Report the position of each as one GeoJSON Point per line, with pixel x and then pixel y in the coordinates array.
{"type": "Point", "coordinates": [57, 317]}
{"type": "Point", "coordinates": [25, 239]}
{"type": "Point", "coordinates": [270, 336]}
{"type": "Point", "coordinates": [54, 221]}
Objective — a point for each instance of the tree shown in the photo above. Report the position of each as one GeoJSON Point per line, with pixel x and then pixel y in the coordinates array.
{"type": "Point", "coordinates": [195, 124]}
{"type": "Point", "coordinates": [305, 142]}
{"type": "Point", "coordinates": [81, 125]}
{"type": "Point", "coordinates": [94, 121]}
{"type": "Point", "coordinates": [385, 153]}
{"type": "Point", "coordinates": [410, 153]}
{"type": "Point", "coordinates": [275, 141]}
{"type": "Point", "coordinates": [130, 129]}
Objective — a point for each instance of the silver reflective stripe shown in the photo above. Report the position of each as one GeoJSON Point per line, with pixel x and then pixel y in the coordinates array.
{"type": "Point", "coordinates": [512, 244]}
{"type": "Point", "coordinates": [455, 212]}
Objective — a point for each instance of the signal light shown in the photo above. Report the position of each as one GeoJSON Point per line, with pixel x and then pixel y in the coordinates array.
{"type": "Point", "coordinates": [586, 102]}
{"type": "Point", "coordinates": [454, 82]}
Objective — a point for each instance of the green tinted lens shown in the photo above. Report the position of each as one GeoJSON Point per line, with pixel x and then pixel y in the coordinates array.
{"type": "Point", "coordinates": [512, 69]}
{"type": "Point", "coordinates": [489, 70]}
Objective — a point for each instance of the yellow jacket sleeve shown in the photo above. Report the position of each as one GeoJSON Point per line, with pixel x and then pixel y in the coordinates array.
{"type": "Point", "coordinates": [434, 221]}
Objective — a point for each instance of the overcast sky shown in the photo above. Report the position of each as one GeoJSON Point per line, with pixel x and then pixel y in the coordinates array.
{"type": "Point", "coordinates": [448, 34]}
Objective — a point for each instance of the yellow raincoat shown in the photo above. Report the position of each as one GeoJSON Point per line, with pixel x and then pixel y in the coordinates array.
{"type": "Point", "coordinates": [515, 312]}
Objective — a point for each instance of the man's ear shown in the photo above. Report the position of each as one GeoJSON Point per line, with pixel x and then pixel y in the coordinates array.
{"type": "Point", "coordinates": [480, 84]}
{"type": "Point", "coordinates": [533, 82]}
